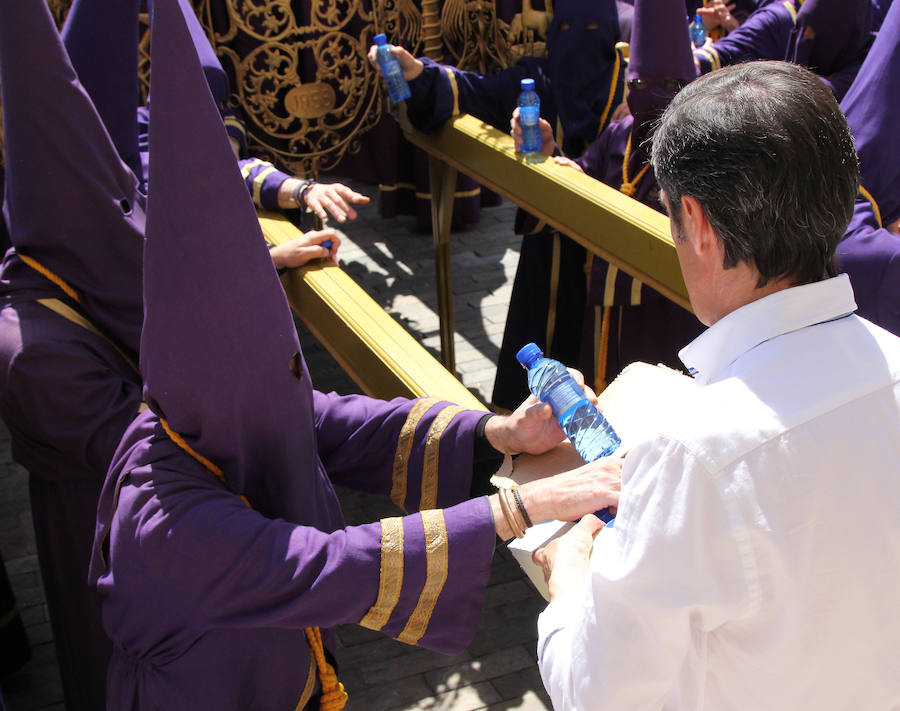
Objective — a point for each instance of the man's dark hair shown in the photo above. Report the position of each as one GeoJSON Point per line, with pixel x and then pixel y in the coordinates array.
{"type": "Point", "coordinates": [765, 150]}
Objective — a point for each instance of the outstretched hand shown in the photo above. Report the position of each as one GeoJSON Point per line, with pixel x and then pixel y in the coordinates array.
{"type": "Point", "coordinates": [336, 198]}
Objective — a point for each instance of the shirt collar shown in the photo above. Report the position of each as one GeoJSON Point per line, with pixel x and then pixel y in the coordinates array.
{"type": "Point", "coordinates": [761, 320]}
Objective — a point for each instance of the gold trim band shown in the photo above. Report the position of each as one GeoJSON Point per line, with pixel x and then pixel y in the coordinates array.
{"type": "Point", "coordinates": [437, 563]}
{"type": "Point", "coordinates": [404, 447]}
{"type": "Point", "coordinates": [391, 581]}
{"type": "Point", "coordinates": [430, 469]}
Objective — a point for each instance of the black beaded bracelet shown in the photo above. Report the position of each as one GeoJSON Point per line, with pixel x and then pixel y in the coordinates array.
{"type": "Point", "coordinates": [521, 506]}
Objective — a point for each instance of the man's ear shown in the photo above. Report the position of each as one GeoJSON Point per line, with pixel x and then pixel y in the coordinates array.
{"type": "Point", "coordinates": [699, 230]}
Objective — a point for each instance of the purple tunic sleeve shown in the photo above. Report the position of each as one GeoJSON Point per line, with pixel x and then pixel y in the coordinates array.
{"type": "Point", "coordinates": [263, 181]}
{"type": "Point", "coordinates": [442, 92]}
{"type": "Point", "coordinates": [422, 448]}
{"type": "Point", "coordinates": [870, 255]}
{"type": "Point", "coordinates": [764, 35]}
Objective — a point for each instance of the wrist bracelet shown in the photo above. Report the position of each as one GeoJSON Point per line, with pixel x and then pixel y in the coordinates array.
{"type": "Point", "coordinates": [295, 195]}
{"type": "Point", "coordinates": [303, 191]}
{"type": "Point", "coordinates": [508, 513]}
{"type": "Point", "coordinates": [521, 506]}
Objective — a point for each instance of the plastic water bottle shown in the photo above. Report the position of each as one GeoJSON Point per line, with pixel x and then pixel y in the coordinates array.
{"type": "Point", "coordinates": [585, 426]}
{"type": "Point", "coordinates": [397, 87]}
{"type": "Point", "coordinates": [529, 113]}
{"type": "Point", "coordinates": [698, 31]}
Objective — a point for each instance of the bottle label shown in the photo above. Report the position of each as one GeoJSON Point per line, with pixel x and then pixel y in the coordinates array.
{"type": "Point", "coordinates": [529, 114]}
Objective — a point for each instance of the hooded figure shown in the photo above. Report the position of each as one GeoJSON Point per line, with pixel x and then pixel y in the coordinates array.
{"type": "Point", "coordinates": [220, 550]}
{"type": "Point", "coordinates": [547, 300]}
{"type": "Point", "coordinates": [70, 318]}
{"type": "Point", "coordinates": [765, 34]}
{"type": "Point", "coordinates": [870, 252]}
{"type": "Point", "coordinates": [625, 320]}
{"type": "Point", "coordinates": [831, 38]}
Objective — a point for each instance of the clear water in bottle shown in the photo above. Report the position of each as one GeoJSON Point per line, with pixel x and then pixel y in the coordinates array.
{"type": "Point", "coordinates": [398, 88]}
{"type": "Point", "coordinates": [585, 426]}
{"type": "Point", "coordinates": [529, 112]}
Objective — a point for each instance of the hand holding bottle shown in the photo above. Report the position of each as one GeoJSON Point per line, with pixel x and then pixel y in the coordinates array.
{"type": "Point", "coordinates": [547, 142]}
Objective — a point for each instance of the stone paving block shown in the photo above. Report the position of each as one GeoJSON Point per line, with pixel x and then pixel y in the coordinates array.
{"type": "Point", "coordinates": [519, 683]}
{"type": "Point", "coordinates": [483, 668]}
{"type": "Point", "coordinates": [529, 701]}
{"type": "Point", "coordinates": [418, 661]}
{"type": "Point", "coordinates": [466, 698]}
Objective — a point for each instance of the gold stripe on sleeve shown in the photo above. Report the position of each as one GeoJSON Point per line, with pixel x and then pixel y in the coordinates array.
{"type": "Point", "coordinates": [258, 182]}
{"type": "Point", "coordinates": [455, 89]}
{"type": "Point", "coordinates": [391, 582]}
{"type": "Point", "coordinates": [432, 455]}
{"type": "Point", "coordinates": [250, 165]}
{"type": "Point", "coordinates": [404, 447]}
{"type": "Point", "coordinates": [436, 561]}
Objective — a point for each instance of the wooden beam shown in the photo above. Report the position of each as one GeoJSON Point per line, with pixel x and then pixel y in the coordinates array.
{"type": "Point", "coordinates": [377, 352]}
{"type": "Point", "coordinates": [621, 230]}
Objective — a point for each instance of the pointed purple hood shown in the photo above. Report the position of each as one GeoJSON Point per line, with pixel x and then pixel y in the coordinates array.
{"type": "Point", "coordinates": [101, 39]}
{"type": "Point", "coordinates": [871, 109]}
{"type": "Point", "coordinates": [842, 29]}
{"type": "Point", "coordinates": [216, 77]}
{"type": "Point", "coordinates": [581, 54]}
{"type": "Point", "coordinates": [661, 63]}
{"type": "Point", "coordinates": [70, 203]}
{"type": "Point", "coordinates": [219, 354]}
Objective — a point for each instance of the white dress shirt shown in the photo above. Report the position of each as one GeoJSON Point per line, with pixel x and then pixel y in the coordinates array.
{"type": "Point", "coordinates": [755, 558]}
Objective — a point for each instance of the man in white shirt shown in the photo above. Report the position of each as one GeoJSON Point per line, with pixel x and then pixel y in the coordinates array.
{"type": "Point", "coordinates": [755, 558]}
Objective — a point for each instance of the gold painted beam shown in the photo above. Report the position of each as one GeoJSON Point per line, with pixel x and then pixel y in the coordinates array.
{"type": "Point", "coordinates": [623, 231]}
{"type": "Point", "coordinates": [377, 352]}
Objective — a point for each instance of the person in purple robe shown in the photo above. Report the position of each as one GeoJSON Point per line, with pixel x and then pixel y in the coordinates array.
{"type": "Point", "coordinates": [70, 317]}
{"type": "Point", "coordinates": [111, 79]}
{"type": "Point", "coordinates": [831, 38]}
{"type": "Point", "coordinates": [220, 552]}
{"type": "Point", "coordinates": [625, 320]}
{"type": "Point", "coordinates": [870, 251]}
{"type": "Point", "coordinates": [828, 37]}
{"type": "Point", "coordinates": [548, 295]}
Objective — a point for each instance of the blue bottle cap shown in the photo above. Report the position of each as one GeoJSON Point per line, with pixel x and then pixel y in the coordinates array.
{"type": "Point", "coordinates": [527, 85]}
{"type": "Point", "coordinates": [380, 39]}
{"type": "Point", "coordinates": [530, 352]}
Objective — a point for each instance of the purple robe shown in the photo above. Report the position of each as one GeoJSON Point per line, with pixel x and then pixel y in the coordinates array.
{"type": "Point", "coordinates": [229, 633]}
{"type": "Point", "coordinates": [869, 253]}
{"type": "Point", "coordinates": [66, 395]}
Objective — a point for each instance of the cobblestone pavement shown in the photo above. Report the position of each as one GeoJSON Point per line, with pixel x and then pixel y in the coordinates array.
{"type": "Point", "coordinates": [394, 263]}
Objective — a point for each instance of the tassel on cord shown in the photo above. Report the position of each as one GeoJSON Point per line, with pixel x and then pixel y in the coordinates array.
{"type": "Point", "coordinates": [334, 698]}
